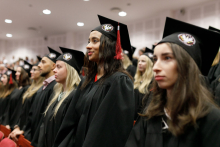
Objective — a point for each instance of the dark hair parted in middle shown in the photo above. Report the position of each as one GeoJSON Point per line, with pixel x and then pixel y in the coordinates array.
{"type": "Point", "coordinates": [106, 60]}
{"type": "Point", "coordinates": [190, 99]}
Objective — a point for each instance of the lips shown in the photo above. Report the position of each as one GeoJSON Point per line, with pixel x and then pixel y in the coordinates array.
{"type": "Point", "coordinates": [159, 78]}
{"type": "Point", "coordinates": [90, 53]}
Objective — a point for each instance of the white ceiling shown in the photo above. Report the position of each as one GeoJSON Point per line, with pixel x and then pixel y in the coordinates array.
{"type": "Point", "coordinates": [66, 13]}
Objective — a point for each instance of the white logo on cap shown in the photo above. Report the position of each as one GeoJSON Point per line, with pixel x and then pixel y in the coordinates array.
{"type": "Point", "coordinates": [9, 72]}
{"type": "Point", "coordinates": [26, 66]}
{"type": "Point", "coordinates": [67, 56]}
{"type": "Point", "coordinates": [150, 55]}
{"type": "Point", "coordinates": [107, 27]}
{"type": "Point", "coordinates": [52, 55]}
{"type": "Point", "coordinates": [187, 39]}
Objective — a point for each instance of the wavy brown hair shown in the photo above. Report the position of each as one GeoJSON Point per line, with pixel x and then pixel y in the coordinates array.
{"type": "Point", "coordinates": [106, 60]}
{"type": "Point", "coordinates": [24, 79]}
{"type": "Point", "coordinates": [189, 99]}
{"type": "Point", "coordinates": [8, 88]}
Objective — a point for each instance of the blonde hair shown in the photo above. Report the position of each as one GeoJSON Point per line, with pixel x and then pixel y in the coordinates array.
{"type": "Point", "coordinates": [126, 61]}
{"type": "Point", "coordinates": [35, 86]}
{"type": "Point", "coordinates": [216, 60]}
{"type": "Point", "coordinates": [72, 81]}
{"type": "Point", "coordinates": [146, 76]}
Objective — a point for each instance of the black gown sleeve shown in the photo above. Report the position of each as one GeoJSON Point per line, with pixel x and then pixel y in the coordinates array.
{"type": "Point", "coordinates": [114, 118]}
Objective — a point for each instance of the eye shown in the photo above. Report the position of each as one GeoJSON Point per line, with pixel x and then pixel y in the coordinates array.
{"type": "Point", "coordinates": [167, 58]}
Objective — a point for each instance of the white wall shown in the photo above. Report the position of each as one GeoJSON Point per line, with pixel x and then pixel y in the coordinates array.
{"type": "Point", "coordinates": [142, 33]}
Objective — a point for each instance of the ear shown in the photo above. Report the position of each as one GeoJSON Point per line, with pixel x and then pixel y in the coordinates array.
{"type": "Point", "coordinates": [53, 66]}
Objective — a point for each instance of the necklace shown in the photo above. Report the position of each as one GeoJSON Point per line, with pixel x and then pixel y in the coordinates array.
{"type": "Point", "coordinates": [60, 96]}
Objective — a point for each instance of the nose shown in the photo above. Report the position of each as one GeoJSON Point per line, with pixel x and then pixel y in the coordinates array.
{"type": "Point", "coordinates": [157, 66]}
{"type": "Point", "coordinates": [55, 70]}
{"type": "Point", "coordinates": [89, 46]}
{"type": "Point", "coordinates": [39, 65]}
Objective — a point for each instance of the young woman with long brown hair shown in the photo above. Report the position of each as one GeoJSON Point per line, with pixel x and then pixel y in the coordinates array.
{"type": "Point", "coordinates": [8, 87]}
{"type": "Point", "coordinates": [103, 115]}
{"type": "Point", "coordinates": [181, 112]}
{"type": "Point", "coordinates": [15, 104]}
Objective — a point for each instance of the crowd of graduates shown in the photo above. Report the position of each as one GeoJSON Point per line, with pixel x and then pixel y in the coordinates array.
{"type": "Point", "coordinates": [167, 96]}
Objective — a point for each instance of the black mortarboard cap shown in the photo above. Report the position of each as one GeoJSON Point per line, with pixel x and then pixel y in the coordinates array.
{"type": "Point", "coordinates": [39, 58]}
{"type": "Point", "coordinates": [149, 53]}
{"type": "Point", "coordinates": [214, 29]}
{"type": "Point", "coordinates": [201, 44]}
{"type": "Point", "coordinates": [153, 46]}
{"type": "Point", "coordinates": [130, 52]}
{"type": "Point", "coordinates": [9, 72]}
{"type": "Point", "coordinates": [72, 57]}
{"type": "Point", "coordinates": [27, 67]}
{"type": "Point", "coordinates": [53, 55]}
{"type": "Point", "coordinates": [109, 27]}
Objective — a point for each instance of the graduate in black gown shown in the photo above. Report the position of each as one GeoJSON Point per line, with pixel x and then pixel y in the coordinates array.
{"type": "Point", "coordinates": [181, 112]}
{"type": "Point", "coordinates": [104, 113]}
{"type": "Point", "coordinates": [143, 79]}
{"type": "Point", "coordinates": [32, 128]}
{"type": "Point", "coordinates": [28, 98]}
{"type": "Point", "coordinates": [15, 103]}
{"type": "Point", "coordinates": [9, 85]}
{"type": "Point", "coordinates": [67, 71]}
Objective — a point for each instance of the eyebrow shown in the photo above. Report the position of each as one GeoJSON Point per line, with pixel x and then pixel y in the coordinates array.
{"type": "Point", "coordinates": [93, 38]}
{"type": "Point", "coordinates": [164, 54]}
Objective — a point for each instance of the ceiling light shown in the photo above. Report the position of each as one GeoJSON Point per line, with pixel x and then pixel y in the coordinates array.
{"type": "Point", "coordinates": [80, 24]}
{"type": "Point", "coordinates": [46, 11]}
{"type": "Point", "coordinates": [8, 20]}
{"type": "Point", "coordinates": [86, 0]}
{"type": "Point", "coordinates": [122, 13]}
{"type": "Point", "coordinates": [9, 35]}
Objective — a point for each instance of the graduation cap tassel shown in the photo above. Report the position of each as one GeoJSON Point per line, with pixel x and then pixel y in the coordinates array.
{"type": "Point", "coordinates": [118, 45]}
{"type": "Point", "coordinates": [10, 81]}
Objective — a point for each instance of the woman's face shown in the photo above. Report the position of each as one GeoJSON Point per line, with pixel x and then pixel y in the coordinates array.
{"type": "Point", "coordinates": [60, 72]}
{"type": "Point", "coordinates": [93, 46]}
{"type": "Point", "coordinates": [165, 66]}
{"type": "Point", "coordinates": [4, 80]}
{"type": "Point", "coordinates": [142, 64]}
{"type": "Point", "coordinates": [18, 73]}
{"type": "Point", "coordinates": [35, 72]}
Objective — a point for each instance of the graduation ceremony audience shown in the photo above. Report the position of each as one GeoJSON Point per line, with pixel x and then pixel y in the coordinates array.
{"type": "Point", "coordinates": [166, 96]}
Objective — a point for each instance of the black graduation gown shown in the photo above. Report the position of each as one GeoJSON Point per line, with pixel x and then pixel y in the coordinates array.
{"type": "Point", "coordinates": [216, 90]}
{"type": "Point", "coordinates": [108, 115]}
{"type": "Point", "coordinates": [214, 72]}
{"type": "Point", "coordinates": [148, 133]}
{"type": "Point", "coordinates": [32, 128]}
{"type": "Point", "coordinates": [104, 114]}
{"type": "Point", "coordinates": [15, 106]}
{"type": "Point", "coordinates": [4, 104]}
{"type": "Point", "coordinates": [50, 125]}
{"type": "Point", "coordinates": [138, 102]}
{"type": "Point", "coordinates": [131, 69]}
{"type": "Point", "coordinates": [26, 106]}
